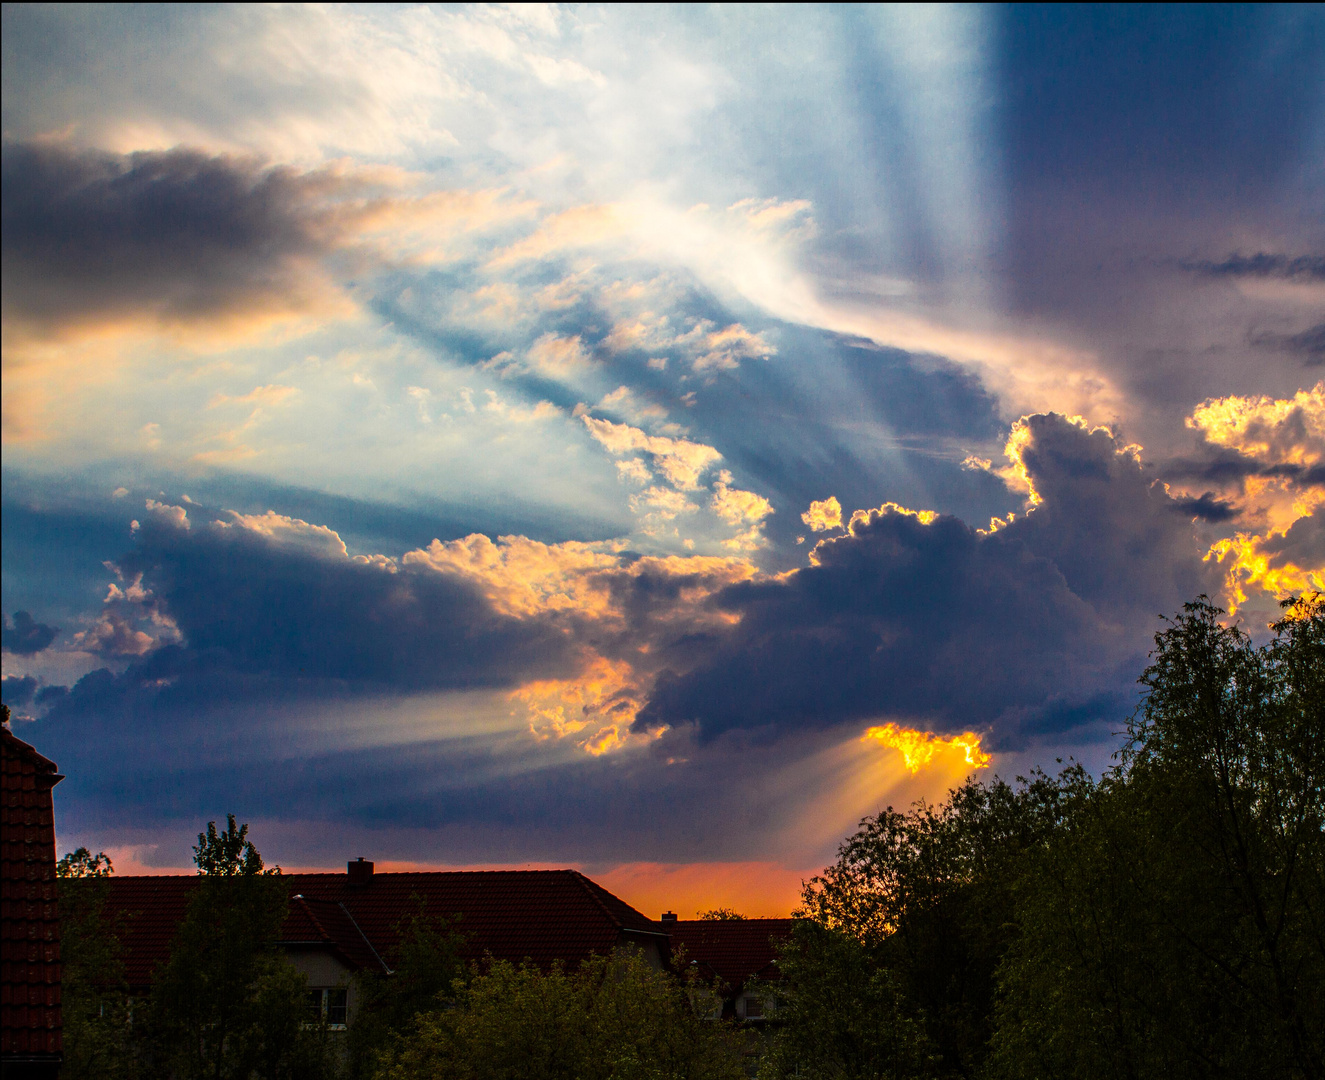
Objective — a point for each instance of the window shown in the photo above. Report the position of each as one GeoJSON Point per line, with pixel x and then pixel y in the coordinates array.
{"type": "Point", "coordinates": [328, 1003]}
{"type": "Point", "coordinates": [754, 1008]}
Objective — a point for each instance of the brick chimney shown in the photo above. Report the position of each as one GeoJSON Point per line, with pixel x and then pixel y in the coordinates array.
{"type": "Point", "coordinates": [669, 916]}
{"type": "Point", "coordinates": [360, 871]}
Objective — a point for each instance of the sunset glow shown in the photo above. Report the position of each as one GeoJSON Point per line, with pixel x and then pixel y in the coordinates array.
{"type": "Point", "coordinates": [502, 435]}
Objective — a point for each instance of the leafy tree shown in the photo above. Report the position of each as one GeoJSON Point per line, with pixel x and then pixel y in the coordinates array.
{"type": "Point", "coordinates": [841, 1014]}
{"type": "Point", "coordinates": [95, 1006]}
{"type": "Point", "coordinates": [913, 918]}
{"type": "Point", "coordinates": [426, 968]}
{"type": "Point", "coordinates": [721, 914]}
{"type": "Point", "coordinates": [81, 863]}
{"type": "Point", "coordinates": [1176, 926]}
{"type": "Point", "coordinates": [226, 1005]}
{"type": "Point", "coordinates": [616, 1018]}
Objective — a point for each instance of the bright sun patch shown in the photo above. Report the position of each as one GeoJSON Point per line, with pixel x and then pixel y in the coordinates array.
{"type": "Point", "coordinates": [918, 748]}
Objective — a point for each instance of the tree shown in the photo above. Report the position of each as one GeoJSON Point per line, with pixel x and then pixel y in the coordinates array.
{"type": "Point", "coordinates": [616, 1018]}
{"type": "Point", "coordinates": [426, 971]}
{"type": "Point", "coordinates": [721, 914]}
{"type": "Point", "coordinates": [95, 1007]}
{"type": "Point", "coordinates": [841, 1014]}
{"type": "Point", "coordinates": [226, 1005]}
{"type": "Point", "coordinates": [914, 918]}
{"type": "Point", "coordinates": [1176, 926]}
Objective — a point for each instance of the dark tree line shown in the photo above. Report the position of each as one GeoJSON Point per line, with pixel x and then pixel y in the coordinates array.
{"type": "Point", "coordinates": [1166, 921]}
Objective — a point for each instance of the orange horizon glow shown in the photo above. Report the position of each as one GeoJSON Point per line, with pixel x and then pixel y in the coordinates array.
{"type": "Point", "coordinates": [757, 890]}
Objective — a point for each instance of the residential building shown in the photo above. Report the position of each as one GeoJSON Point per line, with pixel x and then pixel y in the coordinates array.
{"type": "Point", "coordinates": [340, 924]}
{"type": "Point", "coordinates": [30, 1027]}
{"type": "Point", "coordinates": [733, 953]}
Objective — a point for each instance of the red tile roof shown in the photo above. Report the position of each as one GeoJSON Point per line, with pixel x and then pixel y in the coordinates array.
{"type": "Point", "coordinates": [731, 950]}
{"type": "Point", "coordinates": [328, 924]}
{"type": "Point", "coordinates": [542, 915]}
{"type": "Point", "coordinates": [29, 917]}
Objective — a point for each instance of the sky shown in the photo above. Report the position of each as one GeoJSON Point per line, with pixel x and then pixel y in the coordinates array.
{"type": "Point", "coordinates": [641, 439]}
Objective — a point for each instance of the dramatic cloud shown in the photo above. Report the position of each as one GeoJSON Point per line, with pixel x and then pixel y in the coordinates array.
{"type": "Point", "coordinates": [25, 636]}
{"type": "Point", "coordinates": [1033, 628]}
{"type": "Point", "coordinates": [681, 461]}
{"type": "Point", "coordinates": [823, 514]}
{"type": "Point", "coordinates": [1263, 265]}
{"type": "Point", "coordinates": [541, 356]}
{"type": "Point", "coordinates": [18, 690]}
{"type": "Point", "coordinates": [170, 237]}
{"type": "Point", "coordinates": [1271, 431]}
{"type": "Point", "coordinates": [1309, 343]}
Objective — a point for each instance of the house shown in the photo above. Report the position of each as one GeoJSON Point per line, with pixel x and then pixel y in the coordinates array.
{"type": "Point", "coordinates": [340, 924]}
{"type": "Point", "coordinates": [29, 916]}
{"type": "Point", "coordinates": [732, 953]}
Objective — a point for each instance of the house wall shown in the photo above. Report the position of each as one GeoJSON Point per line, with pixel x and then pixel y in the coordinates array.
{"type": "Point", "coordinates": [324, 969]}
{"type": "Point", "coordinates": [651, 946]}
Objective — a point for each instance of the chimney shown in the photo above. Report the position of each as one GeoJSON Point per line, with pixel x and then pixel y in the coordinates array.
{"type": "Point", "coordinates": [669, 916]}
{"type": "Point", "coordinates": [359, 871]}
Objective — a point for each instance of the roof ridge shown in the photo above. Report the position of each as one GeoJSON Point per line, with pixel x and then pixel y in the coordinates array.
{"type": "Point", "coordinates": [376, 955]}
{"type": "Point", "coordinates": [317, 923]}
{"type": "Point", "coordinates": [28, 751]}
{"type": "Point", "coordinates": [586, 883]}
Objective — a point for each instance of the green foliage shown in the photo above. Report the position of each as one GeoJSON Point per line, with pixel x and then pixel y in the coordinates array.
{"type": "Point", "coordinates": [1176, 927]}
{"type": "Point", "coordinates": [95, 1008]}
{"type": "Point", "coordinates": [81, 863]}
{"type": "Point", "coordinates": [926, 896]}
{"type": "Point", "coordinates": [228, 854]}
{"type": "Point", "coordinates": [841, 1015]}
{"type": "Point", "coordinates": [226, 1005]}
{"type": "Point", "coordinates": [426, 967]}
{"type": "Point", "coordinates": [1166, 921]}
{"type": "Point", "coordinates": [721, 914]}
{"type": "Point", "coordinates": [615, 1019]}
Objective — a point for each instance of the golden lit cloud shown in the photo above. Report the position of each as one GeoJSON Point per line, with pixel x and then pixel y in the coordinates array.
{"type": "Point", "coordinates": [1282, 435]}
{"type": "Point", "coordinates": [594, 709]}
{"type": "Point", "coordinates": [920, 748]}
{"type": "Point", "coordinates": [557, 357]}
{"type": "Point", "coordinates": [723, 350]}
{"type": "Point", "coordinates": [1251, 562]}
{"type": "Point", "coordinates": [522, 577]}
{"type": "Point", "coordinates": [1274, 430]}
{"type": "Point", "coordinates": [823, 515]}
{"type": "Point", "coordinates": [681, 461]}
{"type": "Point", "coordinates": [737, 507]}
{"type": "Point", "coordinates": [860, 518]}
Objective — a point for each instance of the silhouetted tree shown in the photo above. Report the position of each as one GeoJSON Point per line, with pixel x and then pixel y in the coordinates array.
{"type": "Point", "coordinates": [912, 921]}
{"type": "Point", "coordinates": [226, 1005]}
{"type": "Point", "coordinates": [1176, 927]}
{"type": "Point", "coordinates": [95, 1008]}
{"type": "Point", "coordinates": [426, 973]}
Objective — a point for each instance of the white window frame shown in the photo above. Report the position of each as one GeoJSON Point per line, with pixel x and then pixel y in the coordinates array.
{"type": "Point", "coordinates": [325, 992]}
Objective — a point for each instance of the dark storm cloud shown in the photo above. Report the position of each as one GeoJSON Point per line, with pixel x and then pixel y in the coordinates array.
{"type": "Point", "coordinates": [1206, 507]}
{"type": "Point", "coordinates": [18, 690]}
{"type": "Point", "coordinates": [1263, 264]}
{"type": "Point", "coordinates": [1303, 545]}
{"type": "Point", "coordinates": [177, 235]}
{"type": "Point", "coordinates": [1046, 620]}
{"type": "Point", "coordinates": [1037, 627]}
{"type": "Point", "coordinates": [25, 636]}
{"type": "Point", "coordinates": [1224, 466]}
{"type": "Point", "coordinates": [262, 608]}
{"type": "Point", "coordinates": [1309, 344]}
